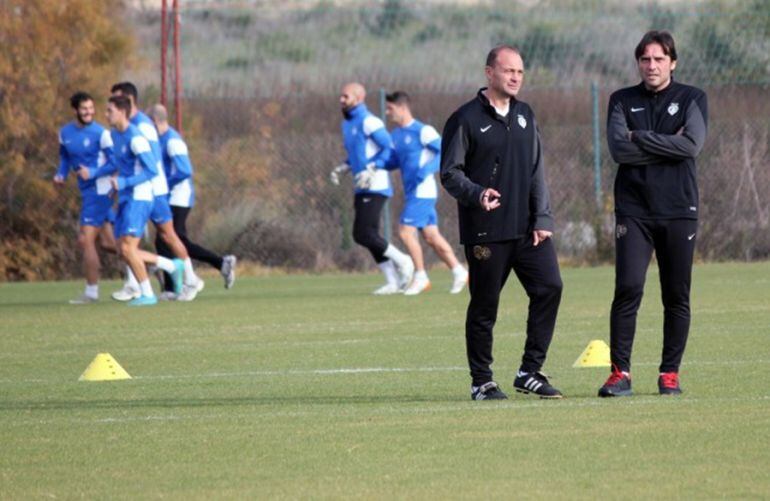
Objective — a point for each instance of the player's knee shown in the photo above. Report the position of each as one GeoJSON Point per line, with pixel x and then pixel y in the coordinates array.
{"type": "Point", "coordinates": [362, 236]}
{"type": "Point", "coordinates": [629, 290]}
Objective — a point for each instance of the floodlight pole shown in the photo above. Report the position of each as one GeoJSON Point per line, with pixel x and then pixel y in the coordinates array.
{"type": "Point", "coordinates": [163, 49]}
{"type": "Point", "coordinates": [177, 68]}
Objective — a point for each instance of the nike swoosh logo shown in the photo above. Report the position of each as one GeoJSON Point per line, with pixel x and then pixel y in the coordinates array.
{"type": "Point", "coordinates": [634, 110]}
{"type": "Point", "coordinates": [484, 129]}
{"type": "Point", "coordinates": [690, 237]}
{"type": "Point", "coordinates": [366, 200]}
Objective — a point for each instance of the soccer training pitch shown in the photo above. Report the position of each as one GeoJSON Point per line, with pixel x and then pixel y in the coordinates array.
{"type": "Point", "coordinates": [310, 387]}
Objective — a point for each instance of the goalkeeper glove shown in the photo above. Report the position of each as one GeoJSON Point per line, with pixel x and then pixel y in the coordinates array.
{"type": "Point", "coordinates": [365, 177]}
{"type": "Point", "coordinates": [334, 175]}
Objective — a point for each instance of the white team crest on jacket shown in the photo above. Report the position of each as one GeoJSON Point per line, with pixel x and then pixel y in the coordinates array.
{"type": "Point", "coordinates": [86, 142]}
{"type": "Point", "coordinates": [522, 121]}
{"type": "Point", "coordinates": [673, 108]}
{"type": "Point", "coordinates": [354, 131]}
{"type": "Point", "coordinates": [407, 139]}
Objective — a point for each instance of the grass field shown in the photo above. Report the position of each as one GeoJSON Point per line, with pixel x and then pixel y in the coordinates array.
{"type": "Point", "coordinates": [309, 387]}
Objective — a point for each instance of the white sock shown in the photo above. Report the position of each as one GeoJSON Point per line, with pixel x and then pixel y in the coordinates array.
{"type": "Point", "coordinates": [92, 291]}
{"type": "Point", "coordinates": [459, 270]}
{"type": "Point", "coordinates": [421, 275]}
{"type": "Point", "coordinates": [146, 288]}
{"type": "Point", "coordinates": [389, 271]}
{"type": "Point", "coordinates": [166, 264]}
{"type": "Point", "coordinates": [131, 279]}
{"type": "Point", "coordinates": [190, 278]}
{"type": "Point", "coordinates": [398, 257]}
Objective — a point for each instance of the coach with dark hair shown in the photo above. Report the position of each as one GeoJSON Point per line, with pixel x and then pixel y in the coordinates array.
{"type": "Point", "coordinates": [654, 131]}
{"type": "Point", "coordinates": [492, 163]}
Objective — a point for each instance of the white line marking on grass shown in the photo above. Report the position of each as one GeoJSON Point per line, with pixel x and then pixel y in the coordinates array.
{"type": "Point", "coordinates": [318, 372]}
{"type": "Point", "coordinates": [366, 370]}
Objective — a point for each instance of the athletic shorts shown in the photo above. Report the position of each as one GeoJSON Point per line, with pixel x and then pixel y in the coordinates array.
{"type": "Point", "coordinates": [96, 210]}
{"type": "Point", "coordinates": [161, 210]}
{"type": "Point", "coordinates": [420, 212]}
{"type": "Point", "coordinates": [132, 218]}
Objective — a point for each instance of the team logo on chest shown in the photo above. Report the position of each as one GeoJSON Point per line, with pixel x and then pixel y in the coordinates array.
{"type": "Point", "coordinates": [522, 121]}
{"type": "Point", "coordinates": [673, 108]}
{"type": "Point", "coordinates": [354, 131]}
{"type": "Point", "coordinates": [124, 149]}
{"type": "Point", "coordinates": [86, 142]}
{"type": "Point", "coordinates": [407, 139]}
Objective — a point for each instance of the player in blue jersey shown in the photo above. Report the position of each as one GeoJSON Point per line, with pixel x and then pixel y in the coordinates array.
{"type": "Point", "coordinates": [167, 242]}
{"type": "Point", "coordinates": [85, 142]}
{"type": "Point", "coordinates": [417, 152]}
{"type": "Point", "coordinates": [368, 146]}
{"type": "Point", "coordinates": [134, 167]}
{"type": "Point", "coordinates": [179, 172]}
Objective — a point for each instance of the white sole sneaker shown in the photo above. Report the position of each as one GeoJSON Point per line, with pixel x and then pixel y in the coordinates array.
{"type": "Point", "coordinates": [417, 288]}
{"type": "Point", "coordinates": [126, 294]}
{"type": "Point", "coordinates": [387, 290]}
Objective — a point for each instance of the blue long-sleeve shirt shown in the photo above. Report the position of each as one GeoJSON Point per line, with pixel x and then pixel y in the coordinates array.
{"type": "Point", "coordinates": [89, 146]}
{"type": "Point", "coordinates": [179, 169]}
{"type": "Point", "coordinates": [134, 164]}
{"type": "Point", "coordinates": [367, 141]}
{"type": "Point", "coordinates": [146, 126]}
{"type": "Point", "coordinates": [417, 152]}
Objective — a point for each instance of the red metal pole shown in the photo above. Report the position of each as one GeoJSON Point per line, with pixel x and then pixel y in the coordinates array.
{"type": "Point", "coordinates": [163, 49]}
{"type": "Point", "coordinates": [177, 69]}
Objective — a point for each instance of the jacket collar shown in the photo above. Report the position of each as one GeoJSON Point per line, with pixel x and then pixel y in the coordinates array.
{"type": "Point", "coordinates": [491, 109]}
{"type": "Point", "coordinates": [356, 111]}
{"type": "Point", "coordinates": [661, 92]}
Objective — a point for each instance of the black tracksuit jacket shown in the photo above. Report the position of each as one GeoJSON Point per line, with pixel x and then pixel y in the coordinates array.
{"type": "Point", "coordinates": [479, 150]}
{"type": "Point", "coordinates": [656, 178]}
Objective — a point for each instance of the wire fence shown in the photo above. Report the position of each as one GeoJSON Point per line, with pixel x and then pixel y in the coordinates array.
{"type": "Point", "coordinates": [262, 116]}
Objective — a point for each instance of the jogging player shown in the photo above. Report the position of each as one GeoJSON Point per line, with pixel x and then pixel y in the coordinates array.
{"type": "Point", "coordinates": [161, 215]}
{"type": "Point", "coordinates": [417, 152]}
{"type": "Point", "coordinates": [492, 163]}
{"type": "Point", "coordinates": [368, 146]}
{"type": "Point", "coordinates": [134, 166]}
{"type": "Point", "coordinates": [83, 142]}
{"type": "Point", "coordinates": [179, 173]}
{"type": "Point", "coordinates": [654, 131]}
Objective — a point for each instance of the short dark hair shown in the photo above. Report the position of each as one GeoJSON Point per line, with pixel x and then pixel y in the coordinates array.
{"type": "Point", "coordinates": [492, 56]}
{"type": "Point", "coordinates": [79, 97]}
{"type": "Point", "coordinates": [127, 89]}
{"type": "Point", "coordinates": [662, 38]}
{"type": "Point", "coordinates": [122, 103]}
{"type": "Point", "coordinates": [398, 97]}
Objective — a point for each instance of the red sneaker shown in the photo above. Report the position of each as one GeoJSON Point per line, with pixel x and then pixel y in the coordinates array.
{"type": "Point", "coordinates": [617, 385]}
{"type": "Point", "coordinates": [668, 383]}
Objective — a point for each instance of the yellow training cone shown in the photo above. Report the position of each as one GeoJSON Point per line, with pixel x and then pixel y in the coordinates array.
{"type": "Point", "coordinates": [596, 354]}
{"type": "Point", "coordinates": [104, 368]}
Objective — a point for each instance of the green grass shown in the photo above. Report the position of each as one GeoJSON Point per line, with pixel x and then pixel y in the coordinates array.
{"type": "Point", "coordinates": [308, 387]}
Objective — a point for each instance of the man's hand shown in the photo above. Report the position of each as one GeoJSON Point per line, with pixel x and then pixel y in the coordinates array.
{"type": "Point", "coordinates": [83, 173]}
{"type": "Point", "coordinates": [334, 175]}
{"type": "Point", "coordinates": [490, 199]}
{"type": "Point", "coordinates": [58, 180]}
{"type": "Point", "coordinates": [364, 178]}
{"type": "Point", "coordinates": [539, 236]}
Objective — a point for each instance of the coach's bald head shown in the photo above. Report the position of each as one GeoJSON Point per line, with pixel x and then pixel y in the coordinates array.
{"type": "Point", "coordinates": [351, 95]}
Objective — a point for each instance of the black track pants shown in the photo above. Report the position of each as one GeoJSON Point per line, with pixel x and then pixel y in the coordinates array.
{"type": "Point", "coordinates": [194, 250]}
{"type": "Point", "coordinates": [366, 226]}
{"type": "Point", "coordinates": [538, 271]}
{"type": "Point", "coordinates": [673, 241]}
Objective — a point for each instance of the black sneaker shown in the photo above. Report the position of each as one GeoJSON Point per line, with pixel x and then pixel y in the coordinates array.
{"type": "Point", "coordinates": [668, 384]}
{"type": "Point", "coordinates": [487, 391]}
{"type": "Point", "coordinates": [617, 385]}
{"type": "Point", "coordinates": [537, 383]}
